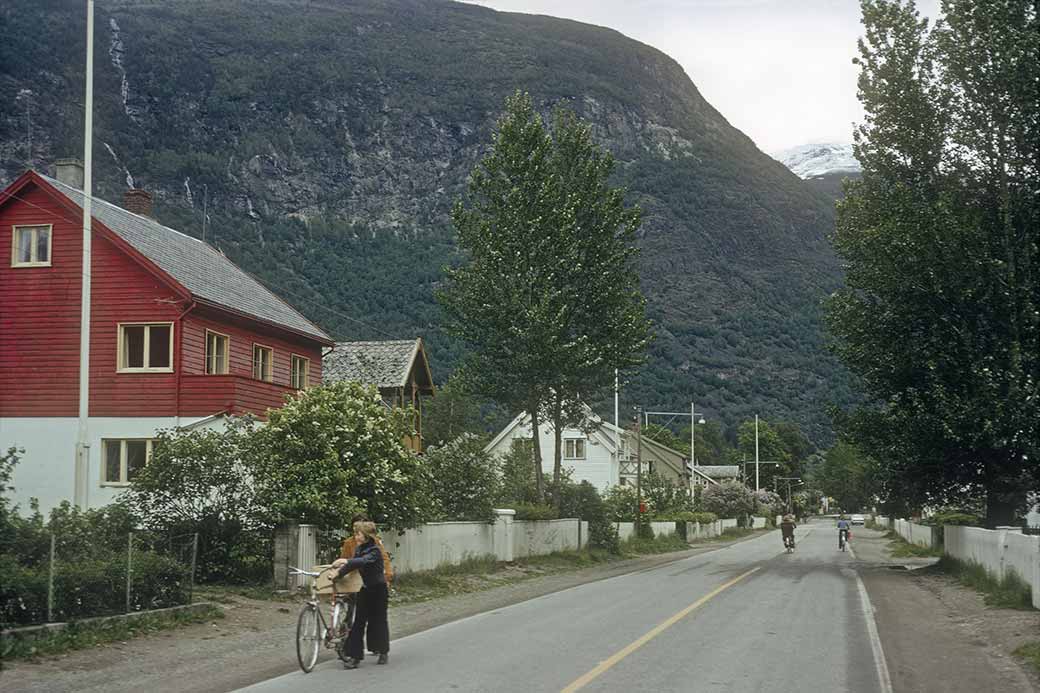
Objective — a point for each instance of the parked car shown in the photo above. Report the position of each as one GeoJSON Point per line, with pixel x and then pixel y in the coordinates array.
{"type": "Point", "coordinates": [858, 520]}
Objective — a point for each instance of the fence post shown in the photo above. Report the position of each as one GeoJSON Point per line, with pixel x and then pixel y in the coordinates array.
{"type": "Point", "coordinates": [50, 584]}
{"type": "Point", "coordinates": [129, 566]}
{"type": "Point", "coordinates": [194, 555]}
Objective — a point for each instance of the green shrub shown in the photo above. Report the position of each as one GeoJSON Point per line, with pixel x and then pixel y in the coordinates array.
{"type": "Point", "coordinates": [729, 499]}
{"type": "Point", "coordinates": [534, 511]}
{"type": "Point", "coordinates": [463, 479]}
{"type": "Point", "coordinates": [583, 501]}
{"type": "Point", "coordinates": [620, 502]}
{"type": "Point", "coordinates": [953, 517]}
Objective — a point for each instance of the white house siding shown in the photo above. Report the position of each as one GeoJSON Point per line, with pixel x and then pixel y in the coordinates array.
{"type": "Point", "coordinates": [46, 470]}
{"type": "Point", "coordinates": [599, 467]}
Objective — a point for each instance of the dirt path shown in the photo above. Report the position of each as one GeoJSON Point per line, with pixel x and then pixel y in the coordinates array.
{"type": "Point", "coordinates": [255, 640]}
{"type": "Point", "coordinates": [938, 636]}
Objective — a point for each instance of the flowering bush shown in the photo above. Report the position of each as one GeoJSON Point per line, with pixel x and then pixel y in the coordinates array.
{"type": "Point", "coordinates": [729, 499]}
{"type": "Point", "coordinates": [337, 449]}
{"type": "Point", "coordinates": [769, 504]}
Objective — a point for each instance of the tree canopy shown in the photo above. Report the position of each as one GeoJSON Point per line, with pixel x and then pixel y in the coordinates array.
{"type": "Point", "coordinates": [939, 315]}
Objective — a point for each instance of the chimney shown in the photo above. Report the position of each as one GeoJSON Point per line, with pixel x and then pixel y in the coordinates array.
{"type": "Point", "coordinates": [138, 201]}
{"type": "Point", "coordinates": [69, 172]}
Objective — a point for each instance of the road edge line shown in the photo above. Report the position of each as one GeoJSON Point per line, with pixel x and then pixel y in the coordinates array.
{"type": "Point", "coordinates": [884, 680]}
{"type": "Point", "coordinates": [601, 668]}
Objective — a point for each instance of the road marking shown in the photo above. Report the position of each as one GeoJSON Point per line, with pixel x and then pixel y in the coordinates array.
{"type": "Point", "coordinates": [884, 681]}
{"type": "Point", "coordinates": [657, 630]}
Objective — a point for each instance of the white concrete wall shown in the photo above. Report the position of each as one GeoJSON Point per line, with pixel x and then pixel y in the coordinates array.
{"type": "Point", "coordinates": [626, 530]}
{"type": "Point", "coordinates": [662, 529]}
{"type": "Point", "coordinates": [47, 469]}
{"type": "Point", "coordinates": [922, 535]}
{"type": "Point", "coordinates": [760, 522]}
{"type": "Point", "coordinates": [440, 543]}
{"type": "Point", "coordinates": [999, 551]}
{"type": "Point", "coordinates": [541, 537]}
{"type": "Point", "coordinates": [727, 524]}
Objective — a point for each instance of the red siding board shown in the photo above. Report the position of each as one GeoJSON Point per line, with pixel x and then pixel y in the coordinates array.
{"type": "Point", "coordinates": [39, 332]}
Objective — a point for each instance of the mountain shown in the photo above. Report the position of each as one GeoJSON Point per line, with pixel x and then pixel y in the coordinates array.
{"type": "Point", "coordinates": [823, 166]}
{"type": "Point", "coordinates": [328, 140]}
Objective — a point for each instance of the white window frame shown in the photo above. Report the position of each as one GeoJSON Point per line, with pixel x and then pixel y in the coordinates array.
{"type": "Point", "coordinates": [292, 371]}
{"type": "Point", "coordinates": [123, 481]}
{"type": "Point", "coordinates": [121, 367]}
{"type": "Point", "coordinates": [34, 229]}
{"type": "Point", "coordinates": [570, 444]}
{"type": "Point", "coordinates": [270, 362]}
{"type": "Point", "coordinates": [227, 352]}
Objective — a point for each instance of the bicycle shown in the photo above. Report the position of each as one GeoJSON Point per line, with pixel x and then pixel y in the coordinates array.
{"type": "Point", "coordinates": [843, 538]}
{"type": "Point", "coordinates": [312, 630]}
{"type": "Point", "coordinates": [789, 544]}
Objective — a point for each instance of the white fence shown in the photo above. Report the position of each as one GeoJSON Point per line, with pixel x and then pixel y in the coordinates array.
{"type": "Point", "coordinates": [883, 522]}
{"type": "Point", "coordinates": [922, 535]}
{"type": "Point", "coordinates": [999, 551]}
{"type": "Point", "coordinates": [438, 544]}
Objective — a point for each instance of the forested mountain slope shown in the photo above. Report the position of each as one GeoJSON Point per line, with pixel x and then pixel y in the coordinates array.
{"type": "Point", "coordinates": [327, 140]}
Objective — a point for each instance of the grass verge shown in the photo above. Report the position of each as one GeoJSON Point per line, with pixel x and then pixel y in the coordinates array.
{"type": "Point", "coordinates": [1010, 593]}
{"type": "Point", "coordinates": [900, 548]}
{"type": "Point", "coordinates": [1030, 652]}
{"type": "Point", "coordinates": [88, 634]}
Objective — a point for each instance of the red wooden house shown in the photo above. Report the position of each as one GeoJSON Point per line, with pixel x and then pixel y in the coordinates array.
{"type": "Point", "coordinates": [179, 336]}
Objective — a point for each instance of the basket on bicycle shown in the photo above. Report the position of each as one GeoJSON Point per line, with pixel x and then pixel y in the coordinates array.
{"type": "Point", "coordinates": [351, 582]}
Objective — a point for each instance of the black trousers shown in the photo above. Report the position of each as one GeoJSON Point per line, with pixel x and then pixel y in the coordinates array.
{"type": "Point", "coordinates": [370, 623]}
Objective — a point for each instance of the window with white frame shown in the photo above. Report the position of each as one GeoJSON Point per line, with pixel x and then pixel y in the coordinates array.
{"type": "Point", "coordinates": [123, 458]}
{"type": "Point", "coordinates": [300, 370]}
{"type": "Point", "coordinates": [263, 360]}
{"type": "Point", "coordinates": [31, 246]}
{"type": "Point", "coordinates": [574, 448]}
{"type": "Point", "coordinates": [216, 353]}
{"type": "Point", "coordinates": [145, 347]}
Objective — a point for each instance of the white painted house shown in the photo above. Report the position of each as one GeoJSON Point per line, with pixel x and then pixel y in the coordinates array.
{"type": "Point", "coordinates": [597, 452]}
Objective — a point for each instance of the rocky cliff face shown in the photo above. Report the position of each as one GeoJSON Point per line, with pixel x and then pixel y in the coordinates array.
{"type": "Point", "coordinates": [328, 140]}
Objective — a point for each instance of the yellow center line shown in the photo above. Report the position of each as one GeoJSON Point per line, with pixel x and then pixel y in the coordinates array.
{"type": "Point", "coordinates": [606, 664]}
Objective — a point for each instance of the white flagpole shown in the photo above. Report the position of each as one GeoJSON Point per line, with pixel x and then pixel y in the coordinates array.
{"type": "Point", "coordinates": [82, 468]}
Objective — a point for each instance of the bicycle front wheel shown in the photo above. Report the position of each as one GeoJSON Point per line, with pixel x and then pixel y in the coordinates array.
{"type": "Point", "coordinates": [308, 637]}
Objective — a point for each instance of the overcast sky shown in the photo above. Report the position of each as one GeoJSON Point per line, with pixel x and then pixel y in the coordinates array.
{"type": "Point", "coordinates": [779, 70]}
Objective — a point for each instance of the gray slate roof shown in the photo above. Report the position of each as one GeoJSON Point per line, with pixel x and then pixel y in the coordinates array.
{"type": "Point", "coordinates": [719, 471]}
{"type": "Point", "coordinates": [383, 364]}
{"type": "Point", "coordinates": [200, 268]}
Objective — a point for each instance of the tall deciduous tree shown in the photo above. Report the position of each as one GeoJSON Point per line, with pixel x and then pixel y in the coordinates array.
{"type": "Point", "coordinates": [939, 316]}
{"type": "Point", "coordinates": [549, 300]}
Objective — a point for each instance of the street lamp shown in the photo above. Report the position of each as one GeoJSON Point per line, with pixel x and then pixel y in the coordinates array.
{"type": "Point", "coordinates": [788, 479]}
{"type": "Point", "coordinates": [693, 428]}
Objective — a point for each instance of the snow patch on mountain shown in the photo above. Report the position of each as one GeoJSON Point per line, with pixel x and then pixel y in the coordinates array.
{"type": "Point", "coordinates": [813, 160]}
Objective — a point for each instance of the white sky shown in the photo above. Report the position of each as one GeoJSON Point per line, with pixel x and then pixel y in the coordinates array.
{"type": "Point", "coordinates": [779, 70]}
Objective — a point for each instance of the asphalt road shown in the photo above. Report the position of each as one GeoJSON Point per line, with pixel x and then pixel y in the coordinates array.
{"type": "Point", "coordinates": [749, 617]}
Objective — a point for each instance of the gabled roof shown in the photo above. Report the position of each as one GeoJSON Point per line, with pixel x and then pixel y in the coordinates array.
{"type": "Point", "coordinates": [384, 364]}
{"type": "Point", "coordinates": [198, 267]}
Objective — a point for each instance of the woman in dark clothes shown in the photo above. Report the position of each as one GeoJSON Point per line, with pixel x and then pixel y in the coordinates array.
{"type": "Point", "coordinates": [371, 600]}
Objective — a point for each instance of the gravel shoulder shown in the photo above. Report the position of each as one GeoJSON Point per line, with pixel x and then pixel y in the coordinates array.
{"type": "Point", "coordinates": [255, 639]}
{"type": "Point", "coordinates": [938, 635]}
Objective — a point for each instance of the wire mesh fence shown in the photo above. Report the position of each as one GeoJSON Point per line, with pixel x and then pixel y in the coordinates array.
{"type": "Point", "coordinates": [55, 577]}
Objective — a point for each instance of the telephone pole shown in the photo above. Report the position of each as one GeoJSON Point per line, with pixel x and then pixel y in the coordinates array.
{"type": "Point", "coordinates": [639, 472]}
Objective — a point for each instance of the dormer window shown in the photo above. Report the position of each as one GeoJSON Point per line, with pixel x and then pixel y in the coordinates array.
{"type": "Point", "coordinates": [31, 246]}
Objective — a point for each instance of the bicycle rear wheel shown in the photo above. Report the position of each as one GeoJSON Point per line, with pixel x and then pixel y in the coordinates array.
{"type": "Point", "coordinates": [308, 637]}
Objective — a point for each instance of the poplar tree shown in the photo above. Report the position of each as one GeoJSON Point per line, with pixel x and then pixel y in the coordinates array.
{"type": "Point", "coordinates": [939, 316]}
{"type": "Point", "coordinates": [548, 299]}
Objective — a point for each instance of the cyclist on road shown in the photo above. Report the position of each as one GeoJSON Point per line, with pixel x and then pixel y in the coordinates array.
{"type": "Point", "coordinates": [844, 530]}
{"type": "Point", "coordinates": [787, 531]}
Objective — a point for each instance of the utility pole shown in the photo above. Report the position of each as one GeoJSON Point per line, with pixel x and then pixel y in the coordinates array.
{"type": "Point", "coordinates": [639, 473]}
{"type": "Point", "coordinates": [756, 453]}
{"type": "Point", "coordinates": [81, 476]}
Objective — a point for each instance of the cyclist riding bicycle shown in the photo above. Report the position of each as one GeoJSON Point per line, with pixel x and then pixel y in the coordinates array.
{"type": "Point", "coordinates": [844, 531]}
{"type": "Point", "coordinates": [787, 531]}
